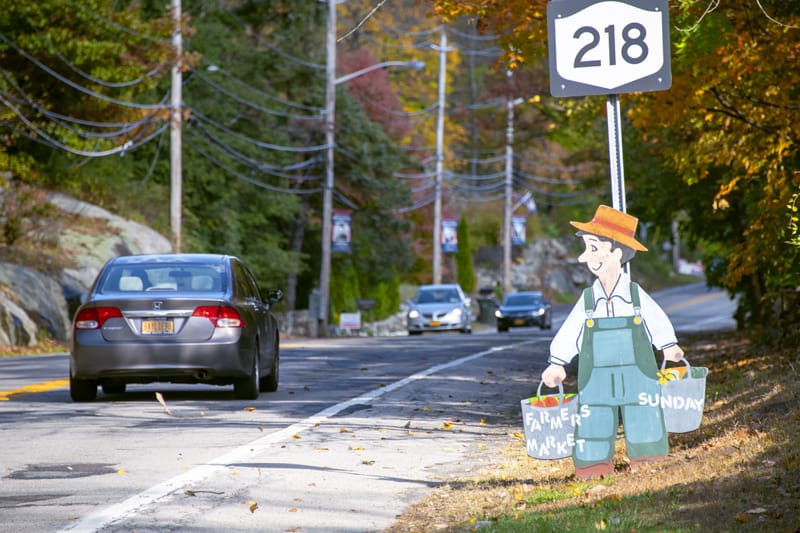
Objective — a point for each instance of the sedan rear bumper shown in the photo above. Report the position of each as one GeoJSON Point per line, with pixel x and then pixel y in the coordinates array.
{"type": "Point", "coordinates": [93, 358]}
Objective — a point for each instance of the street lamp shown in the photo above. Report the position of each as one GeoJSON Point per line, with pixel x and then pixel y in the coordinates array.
{"type": "Point", "coordinates": [331, 81]}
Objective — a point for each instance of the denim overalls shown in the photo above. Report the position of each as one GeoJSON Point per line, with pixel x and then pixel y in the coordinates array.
{"type": "Point", "coordinates": [617, 372]}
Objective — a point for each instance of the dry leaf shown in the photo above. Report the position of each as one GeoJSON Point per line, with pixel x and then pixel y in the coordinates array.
{"type": "Point", "coordinates": [160, 399]}
{"type": "Point", "coordinates": [250, 409]}
{"type": "Point", "coordinates": [293, 509]}
{"type": "Point", "coordinates": [483, 421]}
{"type": "Point", "coordinates": [368, 462]}
{"type": "Point", "coordinates": [356, 448]}
{"type": "Point", "coordinates": [122, 473]}
{"type": "Point", "coordinates": [296, 436]}
{"type": "Point", "coordinates": [344, 430]}
{"type": "Point", "coordinates": [447, 425]}
{"type": "Point", "coordinates": [253, 508]}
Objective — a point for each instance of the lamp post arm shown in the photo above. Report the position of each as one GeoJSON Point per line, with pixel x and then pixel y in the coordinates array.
{"type": "Point", "coordinates": [417, 65]}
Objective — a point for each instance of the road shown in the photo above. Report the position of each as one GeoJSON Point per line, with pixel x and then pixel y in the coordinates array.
{"type": "Point", "coordinates": [359, 429]}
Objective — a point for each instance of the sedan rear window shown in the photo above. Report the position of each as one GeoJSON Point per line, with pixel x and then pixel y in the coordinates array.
{"type": "Point", "coordinates": [163, 277]}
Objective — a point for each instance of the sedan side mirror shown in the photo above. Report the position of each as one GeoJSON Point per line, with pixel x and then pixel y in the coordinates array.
{"type": "Point", "coordinates": [274, 295]}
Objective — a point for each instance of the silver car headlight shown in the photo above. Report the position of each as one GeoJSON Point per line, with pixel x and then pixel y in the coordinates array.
{"type": "Point", "coordinates": [498, 313]}
{"type": "Point", "coordinates": [413, 314]}
{"type": "Point", "coordinates": [455, 313]}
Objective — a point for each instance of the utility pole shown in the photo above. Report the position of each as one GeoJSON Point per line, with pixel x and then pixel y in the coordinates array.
{"type": "Point", "coordinates": [327, 190]}
{"type": "Point", "coordinates": [176, 103]}
{"type": "Point", "coordinates": [508, 192]}
{"type": "Point", "coordinates": [437, 203]}
{"type": "Point", "coordinates": [508, 208]}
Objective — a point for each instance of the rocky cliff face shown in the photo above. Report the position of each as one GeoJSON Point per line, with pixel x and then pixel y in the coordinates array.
{"type": "Point", "coordinates": [546, 265]}
{"type": "Point", "coordinates": [33, 305]}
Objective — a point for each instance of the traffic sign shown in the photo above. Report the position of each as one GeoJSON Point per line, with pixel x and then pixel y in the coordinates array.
{"type": "Point", "coordinates": [608, 46]}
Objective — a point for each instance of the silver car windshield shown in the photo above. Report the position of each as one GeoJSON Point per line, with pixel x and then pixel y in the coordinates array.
{"type": "Point", "coordinates": [438, 296]}
{"type": "Point", "coordinates": [163, 277]}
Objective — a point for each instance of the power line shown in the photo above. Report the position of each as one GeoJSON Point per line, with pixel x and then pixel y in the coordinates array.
{"type": "Point", "coordinates": [129, 145]}
{"type": "Point", "coordinates": [71, 83]}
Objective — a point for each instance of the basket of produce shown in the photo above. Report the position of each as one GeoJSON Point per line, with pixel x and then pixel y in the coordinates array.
{"type": "Point", "coordinates": [549, 423]}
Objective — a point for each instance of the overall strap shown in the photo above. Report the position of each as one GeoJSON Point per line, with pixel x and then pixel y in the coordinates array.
{"type": "Point", "coordinates": [637, 304]}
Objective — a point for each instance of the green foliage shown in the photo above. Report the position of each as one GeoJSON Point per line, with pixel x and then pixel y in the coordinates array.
{"type": "Point", "coordinates": [465, 271]}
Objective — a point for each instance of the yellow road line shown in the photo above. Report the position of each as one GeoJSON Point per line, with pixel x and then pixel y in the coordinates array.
{"type": "Point", "coordinates": [33, 389]}
{"type": "Point", "coordinates": [696, 300]}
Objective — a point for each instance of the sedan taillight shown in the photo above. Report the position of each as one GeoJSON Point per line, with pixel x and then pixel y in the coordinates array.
{"type": "Point", "coordinates": [95, 317]}
{"type": "Point", "coordinates": [221, 316]}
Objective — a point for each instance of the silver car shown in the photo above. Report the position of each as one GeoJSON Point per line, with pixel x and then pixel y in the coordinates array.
{"type": "Point", "coordinates": [180, 318]}
{"type": "Point", "coordinates": [442, 307]}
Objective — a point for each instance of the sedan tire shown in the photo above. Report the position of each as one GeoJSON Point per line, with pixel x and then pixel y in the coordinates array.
{"type": "Point", "coordinates": [247, 388]}
{"type": "Point", "coordinates": [82, 390]}
{"type": "Point", "coordinates": [270, 383]}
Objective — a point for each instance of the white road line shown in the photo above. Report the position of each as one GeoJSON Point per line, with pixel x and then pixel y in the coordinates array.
{"type": "Point", "coordinates": [121, 511]}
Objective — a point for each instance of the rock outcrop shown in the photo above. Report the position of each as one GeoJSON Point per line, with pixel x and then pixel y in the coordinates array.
{"type": "Point", "coordinates": [33, 305]}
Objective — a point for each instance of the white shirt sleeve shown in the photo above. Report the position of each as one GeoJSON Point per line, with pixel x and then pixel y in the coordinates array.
{"type": "Point", "coordinates": [567, 340]}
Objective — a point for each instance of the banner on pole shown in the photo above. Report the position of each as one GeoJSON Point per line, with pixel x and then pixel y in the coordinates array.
{"type": "Point", "coordinates": [449, 235]}
{"type": "Point", "coordinates": [341, 232]}
{"type": "Point", "coordinates": [518, 237]}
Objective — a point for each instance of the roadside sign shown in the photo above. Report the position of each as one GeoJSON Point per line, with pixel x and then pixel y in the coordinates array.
{"type": "Point", "coordinates": [608, 46]}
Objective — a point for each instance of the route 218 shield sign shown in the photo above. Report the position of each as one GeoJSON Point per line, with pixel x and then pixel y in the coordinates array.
{"type": "Point", "coordinates": [608, 46]}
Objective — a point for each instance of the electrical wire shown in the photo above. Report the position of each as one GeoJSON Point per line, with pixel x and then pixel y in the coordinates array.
{"type": "Point", "coordinates": [71, 83]}
{"type": "Point", "coordinates": [248, 179]}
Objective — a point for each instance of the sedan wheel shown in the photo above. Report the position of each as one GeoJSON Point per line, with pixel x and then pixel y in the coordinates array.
{"type": "Point", "coordinates": [82, 390]}
{"type": "Point", "coordinates": [270, 383]}
{"type": "Point", "coordinates": [247, 388]}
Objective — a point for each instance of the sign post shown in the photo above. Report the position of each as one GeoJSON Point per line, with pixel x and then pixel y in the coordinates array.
{"type": "Point", "coordinates": [609, 47]}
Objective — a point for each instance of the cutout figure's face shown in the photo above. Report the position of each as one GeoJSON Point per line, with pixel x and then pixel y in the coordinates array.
{"type": "Point", "coordinates": [598, 257]}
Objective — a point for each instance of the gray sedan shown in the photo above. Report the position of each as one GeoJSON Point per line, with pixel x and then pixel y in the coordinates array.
{"type": "Point", "coordinates": [180, 318]}
{"type": "Point", "coordinates": [440, 307]}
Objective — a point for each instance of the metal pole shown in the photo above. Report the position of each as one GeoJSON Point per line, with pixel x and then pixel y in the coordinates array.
{"type": "Point", "coordinates": [176, 170]}
{"type": "Point", "coordinates": [615, 158]}
{"type": "Point", "coordinates": [437, 204]}
{"type": "Point", "coordinates": [327, 190]}
{"type": "Point", "coordinates": [615, 153]}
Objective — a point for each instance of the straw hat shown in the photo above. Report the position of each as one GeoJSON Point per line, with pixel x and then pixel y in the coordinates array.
{"type": "Point", "coordinates": [613, 224]}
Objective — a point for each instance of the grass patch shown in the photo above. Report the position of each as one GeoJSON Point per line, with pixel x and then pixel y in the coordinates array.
{"type": "Point", "coordinates": [740, 471]}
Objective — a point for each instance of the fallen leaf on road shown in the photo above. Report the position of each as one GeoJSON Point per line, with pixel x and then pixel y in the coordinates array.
{"type": "Point", "coordinates": [160, 399]}
{"type": "Point", "coordinates": [253, 508]}
{"type": "Point", "coordinates": [344, 430]}
{"type": "Point", "coordinates": [356, 448]}
{"type": "Point", "coordinates": [122, 473]}
{"type": "Point", "coordinates": [293, 509]}
{"type": "Point", "coordinates": [368, 462]}
{"type": "Point", "coordinates": [296, 436]}
{"type": "Point", "coordinates": [447, 425]}
{"type": "Point", "coordinates": [250, 409]}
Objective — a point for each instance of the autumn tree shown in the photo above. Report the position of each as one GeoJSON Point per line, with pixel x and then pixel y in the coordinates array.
{"type": "Point", "coordinates": [717, 151]}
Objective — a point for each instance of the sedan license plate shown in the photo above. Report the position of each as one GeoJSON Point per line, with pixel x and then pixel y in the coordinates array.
{"type": "Point", "coordinates": [157, 327]}
{"type": "Point", "coordinates": [519, 321]}
{"type": "Point", "coordinates": [434, 323]}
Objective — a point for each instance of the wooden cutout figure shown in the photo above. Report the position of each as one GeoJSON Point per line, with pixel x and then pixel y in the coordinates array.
{"type": "Point", "coordinates": [613, 329]}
